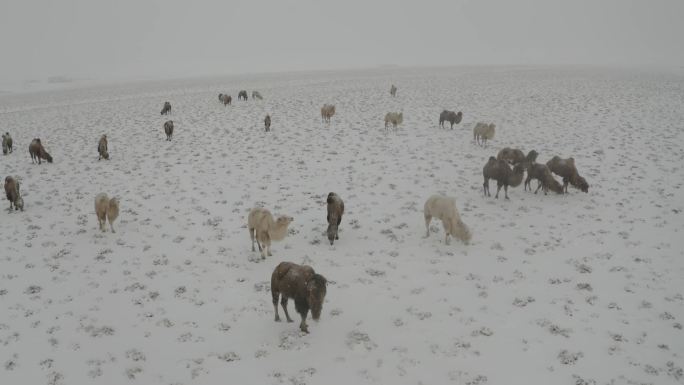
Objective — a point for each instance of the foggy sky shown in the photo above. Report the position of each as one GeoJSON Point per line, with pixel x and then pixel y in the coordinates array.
{"type": "Point", "coordinates": [129, 39]}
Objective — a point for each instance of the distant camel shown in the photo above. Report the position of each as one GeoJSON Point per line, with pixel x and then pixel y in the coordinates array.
{"type": "Point", "coordinates": [6, 143]}
{"type": "Point", "coordinates": [394, 118]}
{"type": "Point", "coordinates": [37, 151]}
{"type": "Point", "coordinates": [102, 148]}
{"type": "Point", "coordinates": [451, 117]}
{"type": "Point", "coordinates": [166, 109]}
{"type": "Point", "coordinates": [327, 112]}
{"type": "Point", "coordinates": [168, 129]}
{"type": "Point", "coordinates": [267, 123]}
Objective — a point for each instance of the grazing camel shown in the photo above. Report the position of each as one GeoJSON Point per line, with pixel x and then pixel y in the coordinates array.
{"type": "Point", "coordinates": [501, 171]}
{"type": "Point", "coordinates": [106, 210]}
{"type": "Point", "coordinates": [168, 129]}
{"type": "Point", "coordinates": [541, 173]}
{"type": "Point", "coordinates": [12, 193]}
{"type": "Point", "coordinates": [102, 148]}
{"type": "Point", "coordinates": [301, 283]}
{"type": "Point", "coordinates": [482, 132]}
{"type": "Point", "coordinates": [335, 211]}
{"type": "Point", "coordinates": [565, 168]}
{"type": "Point", "coordinates": [6, 143]}
{"type": "Point", "coordinates": [327, 112]}
{"type": "Point", "coordinates": [444, 208]}
{"type": "Point", "coordinates": [37, 151]}
{"type": "Point", "coordinates": [166, 109]}
{"type": "Point", "coordinates": [267, 122]}
{"type": "Point", "coordinates": [394, 118]}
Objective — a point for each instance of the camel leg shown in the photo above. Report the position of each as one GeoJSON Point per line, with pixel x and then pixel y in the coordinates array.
{"type": "Point", "coordinates": [251, 235]}
{"type": "Point", "coordinates": [111, 226]}
{"type": "Point", "coordinates": [485, 186]}
{"type": "Point", "coordinates": [446, 232]}
{"type": "Point", "coordinates": [506, 191]}
{"type": "Point", "coordinates": [258, 241]}
{"type": "Point", "coordinates": [283, 303]}
{"type": "Point", "coordinates": [303, 326]}
{"type": "Point", "coordinates": [527, 183]}
{"type": "Point", "coordinates": [539, 184]}
{"type": "Point", "coordinates": [266, 245]}
{"type": "Point", "coordinates": [275, 295]}
{"type": "Point", "coordinates": [263, 245]}
{"type": "Point", "coordinates": [498, 188]}
{"type": "Point", "coordinates": [428, 219]}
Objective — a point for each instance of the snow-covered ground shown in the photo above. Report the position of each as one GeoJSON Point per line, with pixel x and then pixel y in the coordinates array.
{"type": "Point", "coordinates": [574, 289]}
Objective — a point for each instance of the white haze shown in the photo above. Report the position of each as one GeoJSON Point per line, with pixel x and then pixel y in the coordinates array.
{"type": "Point", "coordinates": [131, 39]}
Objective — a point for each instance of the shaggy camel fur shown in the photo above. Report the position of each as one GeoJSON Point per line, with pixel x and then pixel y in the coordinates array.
{"type": "Point", "coordinates": [261, 226]}
{"type": "Point", "coordinates": [395, 118]}
{"type": "Point", "coordinates": [168, 129]}
{"type": "Point", "coordinates": [12, 192]}
{"type": "Point", "coordinates": [37, 151]}
{"type": "Point", "coordinates": [565, 168]}
{"type": "Point", "coordinates": [335, 211]}
{"type": "Point", "coordinates": [242, 95]}
{"type": "Point", "coordinates": [500, 171]}
{"type": "Point", "coordinates": [6, 143]}
{"type": "Point", "coordinates": [267, 123]}
{"type": "Point", "coordinates": [301, 283]}
{"type": "Point", "coordinates": [327, 112]}
{"type": "Point", "coordinates": [515, 156]}
{"type": "Point", "coordinates": [106, 210]}
{"type": "Point", "coordinates": [256, 95]}
{"type": "Point", "coordinates": [482, 132]}
{"type": "Point", "coordinates": [102, 148]}
{"type": "Point", "coordinates": [542, 173]}
{"type": "Point", "coordinates": [444, 208]}
{"type": "Point", "coordinates": [393, 90]}
{"type": "Point", "coordinates": [166, 109]}
{"type": "Point", "coordinates": [451, 117]}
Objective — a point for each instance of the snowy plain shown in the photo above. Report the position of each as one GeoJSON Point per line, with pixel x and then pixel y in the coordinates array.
{"type": "Point", "coordinates": [572, 289]}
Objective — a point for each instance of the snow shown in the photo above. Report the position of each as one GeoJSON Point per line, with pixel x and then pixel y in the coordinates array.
{"type": "Point", "coordinates": [574, 289]}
